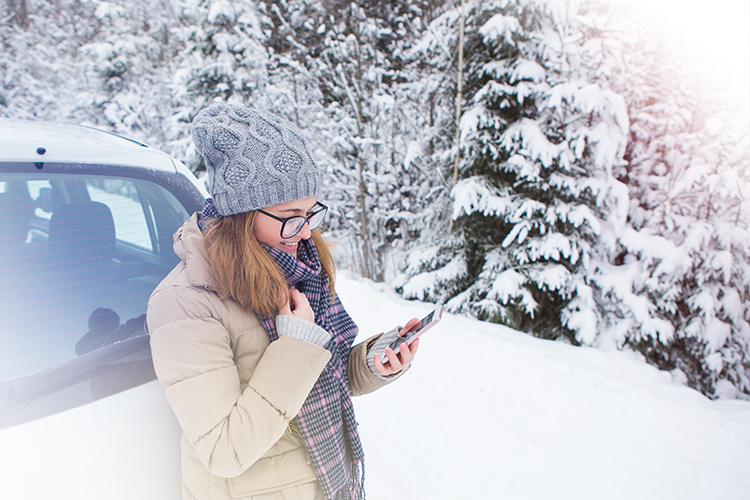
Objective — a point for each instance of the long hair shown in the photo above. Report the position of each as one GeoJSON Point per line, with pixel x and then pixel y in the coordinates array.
{"type": "Point", "coordinates": [243, 269]}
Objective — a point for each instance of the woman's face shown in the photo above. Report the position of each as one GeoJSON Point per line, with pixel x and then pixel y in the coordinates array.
{"type": "Point", "coordinates": [267, 230]}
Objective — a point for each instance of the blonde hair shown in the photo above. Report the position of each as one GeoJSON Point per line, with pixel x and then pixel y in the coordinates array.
{"type": "Point", "coordinates": [245, 272]}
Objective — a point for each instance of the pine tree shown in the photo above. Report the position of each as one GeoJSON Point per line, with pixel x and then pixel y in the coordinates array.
{"type": "Point", "coordinates": [96, 62]}
{"type": "Point", "coordinates": [536, 195]}
{"type": "Point", "coordinates": [361, 66]}
{"type": "Point", "coordinates": [603, 182]}
{"type": "Point", "coordinates": [689, 170]}
{"type": "Point", "coordinates": [223, 59]}
{"type": "Point", "coordinates": [132, 59]}
{"type": "Point", "coordinates": [42, 73]}
{"type": "Point", "coordinates": [562, 229]}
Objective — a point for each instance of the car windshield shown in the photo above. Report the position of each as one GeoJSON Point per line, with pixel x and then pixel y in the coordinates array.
{"type": "Point", "coordinates": [79, 257]}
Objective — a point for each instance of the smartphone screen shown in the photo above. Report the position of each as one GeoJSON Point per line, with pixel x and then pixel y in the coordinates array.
{"type": "Point", "coordinates": [418, 327]}
{"type": "Point", "coordinates": [425, 324]}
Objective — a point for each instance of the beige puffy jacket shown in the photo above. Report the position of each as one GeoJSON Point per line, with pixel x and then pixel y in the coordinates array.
{"type": "Point", "coordinates": [233, 392]}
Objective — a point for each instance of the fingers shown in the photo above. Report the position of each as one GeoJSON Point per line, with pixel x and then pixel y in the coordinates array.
{"type": "Point", "coordinates": [297, 305]}
{"type": "Point", "coordinates": [299, 299]}
{"type": "Point", "coordinates": [301, 305]}
{"type": "Point", "coordinates": [393, 358]}
{"type": "Point", "coordinates": [396, 362]}
{"type": "Point", "coordinates": [391, 366]}
{"type": "Point", "coordinates": [407, 352]}
{"type": "Point", "coordinates": [382, 370]}
{"type": "Point", "coordinates": [412, 324]}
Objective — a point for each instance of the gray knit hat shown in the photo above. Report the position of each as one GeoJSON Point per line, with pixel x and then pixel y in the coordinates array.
{"type": "Point", "coordinates": [254, 159]}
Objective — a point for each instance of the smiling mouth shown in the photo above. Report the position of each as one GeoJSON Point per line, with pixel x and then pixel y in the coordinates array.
{"type": "Point", "coordinates": [290, 244]}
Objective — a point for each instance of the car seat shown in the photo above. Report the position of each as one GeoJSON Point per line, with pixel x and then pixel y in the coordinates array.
{"type": "Point", "coordinates": [81, 233]}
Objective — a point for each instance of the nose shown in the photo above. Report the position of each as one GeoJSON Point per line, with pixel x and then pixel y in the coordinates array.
{"type": "Point", "coordinates": [305, 232]}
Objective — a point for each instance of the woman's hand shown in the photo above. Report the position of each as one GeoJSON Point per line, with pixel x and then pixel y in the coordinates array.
{"type": "Point", "coordinates": [298, 306]}
{"type": "Point", "coordinates": [397, 362]}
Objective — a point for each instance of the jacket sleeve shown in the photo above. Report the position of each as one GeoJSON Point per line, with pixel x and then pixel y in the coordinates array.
{"type": "Point", "coordinates": [361, 379]}
{"type": "Point", "coordinates": [229, 428]}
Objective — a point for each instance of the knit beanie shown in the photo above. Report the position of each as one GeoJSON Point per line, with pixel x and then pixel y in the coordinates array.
{"type": "Point", "coordinates": [253, 159]}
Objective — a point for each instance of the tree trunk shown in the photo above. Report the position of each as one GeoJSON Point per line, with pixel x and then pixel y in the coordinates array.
{"type": "Point", "coordinates": [364, 221]}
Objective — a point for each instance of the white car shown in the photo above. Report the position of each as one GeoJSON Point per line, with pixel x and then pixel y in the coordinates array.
{"type": "Point", "coordinates": [86, 224]}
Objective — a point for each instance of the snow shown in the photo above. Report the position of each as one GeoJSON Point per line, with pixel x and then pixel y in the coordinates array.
{"type": "Point", "coordinates": [475, 195]}
{"type": "Point", "coordinates": [219, 10]}
{"type": "Point", "coordinates": [527, 70]}
{"type": "Point", "coordinates": [687, 224]}
{"type": "Point", "coordinates": [488, 412]}
{"type": "Point", "coordinates": [500, 26]}
{"type": "Point", "coordinates": [553, 276]}
{"type": "Point", "coordinates": [423, 284]}
{"type": "Point", "coordinates": [413, 151]}
{"type": "Point", "coordinates": [507, 285]}
{"type": "Point", "coordinates": [485, 412]}
{"type": "Point", "coordinates": [532, 140]}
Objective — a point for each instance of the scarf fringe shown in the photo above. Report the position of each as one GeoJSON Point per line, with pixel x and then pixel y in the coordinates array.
{"type": "Point", "coordinates": [355, 488]}
{"type": "Point", "coordinates": [338, 460]}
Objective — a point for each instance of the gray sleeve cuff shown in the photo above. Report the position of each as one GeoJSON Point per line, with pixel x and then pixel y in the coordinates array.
{"type": "Point", "coordinates": [378, 348]}
{"type": "Point", "coordinates": [301, 329]}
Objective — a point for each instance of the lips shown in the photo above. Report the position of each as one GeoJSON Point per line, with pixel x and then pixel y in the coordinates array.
{"type": "Point", "coordinates": [289, 246]}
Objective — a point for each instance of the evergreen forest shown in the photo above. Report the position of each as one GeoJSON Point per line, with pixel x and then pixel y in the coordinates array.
{"type": "Point", "coordinates": [562, 167]}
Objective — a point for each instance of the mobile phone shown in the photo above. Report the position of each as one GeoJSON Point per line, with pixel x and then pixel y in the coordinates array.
{"type": "Point", "coordinates": [415, 331]}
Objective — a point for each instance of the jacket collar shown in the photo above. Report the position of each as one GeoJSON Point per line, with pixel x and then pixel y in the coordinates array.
{"type": "Point", "coordinates": [189, 246]}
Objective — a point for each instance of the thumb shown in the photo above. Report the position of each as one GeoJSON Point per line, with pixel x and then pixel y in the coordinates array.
{"type": "Point", "coordinates": [298, 298]}
{"type": "Point", "coordinates": [412, 324]}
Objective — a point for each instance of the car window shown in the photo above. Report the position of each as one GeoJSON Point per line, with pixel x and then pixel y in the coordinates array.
{"type": "Point", "coordinates": [79, 258]}
{"type": "Point", "coordinates": [122, 198]}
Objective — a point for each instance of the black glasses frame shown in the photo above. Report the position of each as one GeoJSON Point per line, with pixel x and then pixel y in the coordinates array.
{"type": "Point", "coordinates": [284, 220]}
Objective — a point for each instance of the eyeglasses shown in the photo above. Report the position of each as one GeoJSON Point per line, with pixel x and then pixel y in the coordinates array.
{"type": "Point", "coordinates": [290, 226]}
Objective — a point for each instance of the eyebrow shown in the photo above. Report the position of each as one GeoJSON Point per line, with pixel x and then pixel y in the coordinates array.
{"type": "Point", "coordinates": [297, 210]}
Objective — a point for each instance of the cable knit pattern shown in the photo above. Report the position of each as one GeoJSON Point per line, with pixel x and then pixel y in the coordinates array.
{"type": "Point", "coordinates": [253, 159]}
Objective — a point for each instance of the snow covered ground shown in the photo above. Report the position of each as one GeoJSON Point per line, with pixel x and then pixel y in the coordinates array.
{"type": "Point", "coordinates": [490, 413]}
{"type": "Point", "coordinates": [485, 413]}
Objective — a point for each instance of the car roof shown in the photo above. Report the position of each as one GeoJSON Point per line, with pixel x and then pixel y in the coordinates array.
{"type": "Point", "coordinates": [56, 142]}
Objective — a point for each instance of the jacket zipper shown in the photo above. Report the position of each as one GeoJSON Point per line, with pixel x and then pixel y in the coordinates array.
{"type": "Point", "coordinates": [294, 430]}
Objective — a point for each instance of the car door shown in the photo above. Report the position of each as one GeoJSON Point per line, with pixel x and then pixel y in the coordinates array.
{"type": "Point", "coordinates": [81, 249]}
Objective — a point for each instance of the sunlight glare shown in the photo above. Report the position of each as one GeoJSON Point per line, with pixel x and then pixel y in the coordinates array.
{"type": "Point", "coordinates": [717, 33]}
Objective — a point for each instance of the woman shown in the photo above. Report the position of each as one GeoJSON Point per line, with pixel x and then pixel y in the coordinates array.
{"type": "Point", "coordinates": [249, 340]}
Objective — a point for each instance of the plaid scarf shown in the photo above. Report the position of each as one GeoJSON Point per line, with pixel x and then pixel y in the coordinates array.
{"type": "Point", "coordinates": [326, 420]}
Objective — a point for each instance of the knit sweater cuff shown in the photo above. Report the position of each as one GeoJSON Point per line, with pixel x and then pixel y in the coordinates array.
{"type": "Point", "coordinates": [301, 329]}
{"type": "Point", "coordinates": [378, 348]}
